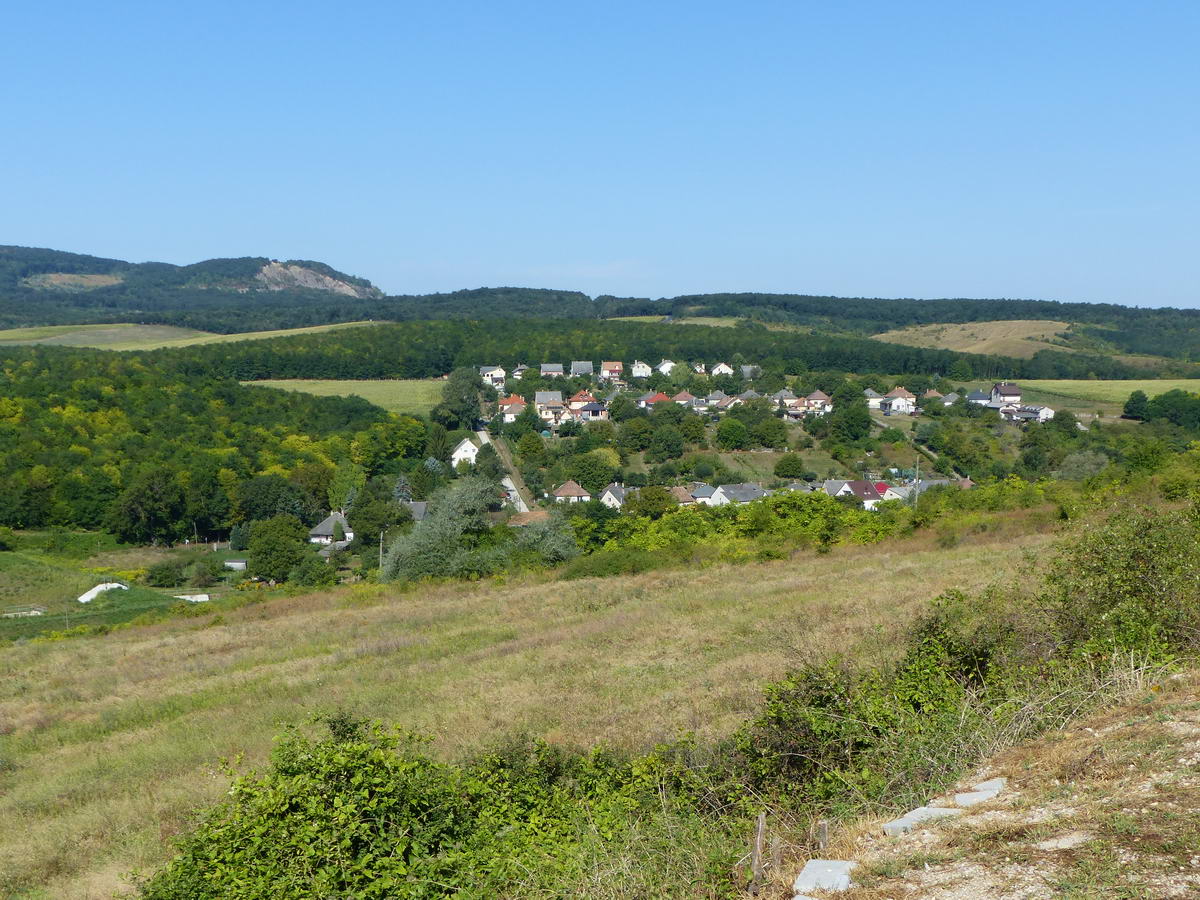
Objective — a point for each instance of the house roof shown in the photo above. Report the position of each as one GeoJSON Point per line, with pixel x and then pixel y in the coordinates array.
{"type": "Point", "coordinates": [801, 487]}
{"type": "Point", "coordinates": [832, 486]}
{"type": "Point", "coordinates": [818, 395]}
{"type": "Point", "coordinates": [571, 489]}
{"type": "Point", "coordinates": [716, 397]}
{"type": "Point", "coordinates": [483, 370]}
{"type": "Point", "coordinates": [682, 494]}
{"type": "Point", "coordinates": [931, 394]}
{"type": "Point", "coordinates": [547, 397]}
{"type": "Point", "coordinates": [667, 362]}
{"type": "Point", "coordinates": [615, 366]}
{"type": "Point", "coordinates": [552, 367]}
{"type": "Point", "coordinates": [660, 397]}
{"type": "Point", "coordinates": [465, 442]}
{"type": "Point", "coordinates": [683, 396]}
{"type": "Point", "coordinates": [324, 528]}
{"type": "Point", "coordinates": [882, 487]}
{"type": "Point", "coordinates": [699, 489]}
{"type": "Point", "coordinates": [617, 490]}
{"type": "Point", "coordinates": [870, 394]}
{"type": "Point", "coordinates": [950, 398]}
{"type": "Point", "coordinates": [784, 394]}
{"type": "Point", "coordinates": [978, 395]}
{"type": "Point", "coordinates": [512, 400]}
{"type": "Point", "coordinates": [742, 493]}
{"type": "Point", "coordinates": [1006, 389]}
{"type": "Point", "coordinates": [638, 362]}
{"type": "Point", "coordinates": [582, 396]}
{"type": "Point", "coordinates": [582, 367]}
{"type": "Point", "coordinates": [863, 490]}
{"type": "Point", "coordinates": [900, 392]}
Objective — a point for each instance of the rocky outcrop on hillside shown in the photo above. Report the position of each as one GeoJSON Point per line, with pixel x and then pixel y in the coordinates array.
{"type": "Point", "coordinates": [278, 276]}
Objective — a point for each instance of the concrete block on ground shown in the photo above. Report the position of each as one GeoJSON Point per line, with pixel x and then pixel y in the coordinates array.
{"type": "Point", "coordinates": [992, 784]}
{"type": "Point", "coordinates": [824, 875]}
{"type": "Point", "coordinates": [909, 821]}
{"type": "Point", "coordinates": [971, 798]}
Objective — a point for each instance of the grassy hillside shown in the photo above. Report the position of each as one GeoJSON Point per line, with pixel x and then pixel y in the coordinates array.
{"type": "Point", "coordinates": [127, 336]}
{"type": "Point", "coordinates": [412, 395]}
{"type": "Point", "coordinates": [626, 661]}
{"type": "Point", "coordinates": [1021, 338]}
{"type": "Point", "coordinates": [1110, 392]}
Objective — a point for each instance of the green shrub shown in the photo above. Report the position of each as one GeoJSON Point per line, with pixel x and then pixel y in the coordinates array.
{"type": "Point", "coordinates": [623, 561]}
{"type": "Point", "coordinates": [168, 573]}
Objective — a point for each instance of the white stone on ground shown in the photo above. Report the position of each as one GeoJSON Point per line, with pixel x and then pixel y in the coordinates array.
{"type": "Point", "coordinates": [971, 798]}
{"type": "Point", "coordinates": [992, 784]}
{"type": "Point", "coordinates": [909, 820]}
{"type": "Point", "coordinates": [824, 875]}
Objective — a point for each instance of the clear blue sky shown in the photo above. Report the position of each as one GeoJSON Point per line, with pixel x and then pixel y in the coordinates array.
{"type": "Point", "coordinates": [1016, 149]}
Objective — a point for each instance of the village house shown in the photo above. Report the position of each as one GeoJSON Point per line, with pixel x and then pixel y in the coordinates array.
{"type": "Point", "coordinates": [493, 376]}
{"type": "Point", "coordinates": [1024, 414]}
{"type": "Point", "coordinates": [665, 366]}
{"type": "Point", "coordinates": [683, 398]}
{"type": "Point", "coordinates": [950, 399]}
{"type": "Point", "coordinates": [592, 412]}
{"type": "Point", "coordinates": [898, 401]}
{"type": "Point", "coordinates": [818, 403]}
{"type": "Point", "coordinates": [714, 399]}
{"type": "Point", "coordinates": [931, 394]}
{"type": "Point", "coordinates": [611, 371]}
{"type": "Point", "coordinates": [323, 533]}
{"type": "Point", "coordinates": [864, 491]}
{"type": "Point", "coordinates": [466, 451]}
{"type": "Point", "coordinates": [571, 492]}
{"type": "Point", "coordinates": [874, 398]}
{"type": "Point", "coordinates": [550, 407]}
{"type": "Point", "coordinates": [699, 368]}
{"type": "Point", "coordinates": [782, 396]}
{"type": "Point", "coordinates": [1005, 393]}
{"type": "Point", "coordinates": [722, 369]}
{"type": "Point", "coordinates": [511, 407]}
{"type": "Point", "coordinates": [682, 496]}
{"type": "Point", "coordinates": [736, 493]}
{"type": "Point", "coordinates": [581, 368]}
{"type": "Point", "coordinates": [979, 398]}
{"type": "Point", "coordinates": [647, 401]}
{"type": "Point", "coordinates": [520, 370]}
{"type": "Point", "coordinates": [613, 496]}
{"type": "Point", "coordinates": [640, 369]}
{"type": "Point", "coordinates": [580, 400]}
{"type": "Point", "coordinates": [552, 370]}
{"type": "Point", "coordinates": [702, 493]}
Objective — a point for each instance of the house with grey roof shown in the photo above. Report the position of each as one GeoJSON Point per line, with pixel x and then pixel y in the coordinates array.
{"type": "Point", "coordinates": [323, 532]}
{"type": "Point", "coordinates": [702, 493]}
{"type": "Point", "coordinates": [552, 370]}
{"type": "Point", "coordinates": [613, 496]}
{"type": "Point", "coordinates": [582, 367]}
{"type": "Point", "coordinates": [736, 493]}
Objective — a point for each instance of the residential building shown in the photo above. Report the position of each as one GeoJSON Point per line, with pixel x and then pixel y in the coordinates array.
{"type": "Point", "coordinates": [511, 407]}
{"type": "Point", "coordinates": [612, 371]}
{"type": "Point", "coordinates": [683, 398]}
{"type": "Point", "coordinates": [552, 370]}
{"type": "Point", "coordinates": [699, 368]}
{"type": "Point", "coordinates": [580, 400]}
{"type": "Point", "coordinates": [665, 366]}
{"type": "Point", "coordinates": [493, 375]}
{"type": "Point", "coordinates": [898, 400]}
{"type": "Point", "coordinates": [323, 533]}
{"type": "Point", "coordinates": [683, 496]}
{"type": "Point", "coordinates": [640, 369]}
{"type": "Point", "coordinates": [874, 398]}
{"type": "Point", "coordinates": [580, 368]}
{"type": "Point", "coordinates": [646, 401]}
{"type": "Point", "coordinates": [979, 398]}
{"type": "Point", "coordinates": [1005, 392]}
{"type": "Point", "coordinates": [571, 492]}
{"type": "Point", "coordinates": [722, 369]}
{"type": "Point", "coordinates": [613, 496]}
{"type": "Point", "coordinates": [736, 493]}
{"type": "Point", "coordinates": [466, 451]}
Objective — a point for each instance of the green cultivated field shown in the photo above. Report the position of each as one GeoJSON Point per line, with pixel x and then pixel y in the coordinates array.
{"type": "Point", "coordinates": [1110, 391]}
{"type": "Point", "coordinates": [144, 337]}
{"type": "Point", "coordinates": [416, 396]}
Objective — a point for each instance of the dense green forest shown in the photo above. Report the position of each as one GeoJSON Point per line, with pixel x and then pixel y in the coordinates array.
{"type": "Point", "coordinates": [426, 349]}
{"type": "Point", "coordinates": [213, 296]}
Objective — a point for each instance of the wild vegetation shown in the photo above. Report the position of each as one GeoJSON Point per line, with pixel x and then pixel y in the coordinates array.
{"type": "Point", "coordinates": [361, 810]}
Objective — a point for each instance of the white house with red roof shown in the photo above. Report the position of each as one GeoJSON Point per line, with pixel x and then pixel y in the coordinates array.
{"type": "Point", "coordinates": [571, 492]}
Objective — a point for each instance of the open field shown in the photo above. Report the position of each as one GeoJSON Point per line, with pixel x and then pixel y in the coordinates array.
{"type": "Point", "coordinates": [418, 395]}
{"type": "Point", "coordinates": [1021, 338]}
{"type": "Point", "coordinates": [126, 336]}
{"type": "Point", "coordinates": [637, 318]}
{"type": "Point", "coordinates": [112, 741]}
{"type": "Point", "coordinates": [1113, 392]}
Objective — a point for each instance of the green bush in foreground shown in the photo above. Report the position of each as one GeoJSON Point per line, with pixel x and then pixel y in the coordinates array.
{"type": "Point", "coordinates": [367, 813]}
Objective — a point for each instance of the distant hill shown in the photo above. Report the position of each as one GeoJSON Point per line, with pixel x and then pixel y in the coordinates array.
{"type": "Point", "coordinates": [41, 287]}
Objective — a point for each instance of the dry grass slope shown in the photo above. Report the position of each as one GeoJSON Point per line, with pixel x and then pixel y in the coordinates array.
{"type": "Point", "coordinates": [111, 742]}
{"type": "Point", "coordinates": [1021, 338]}
{"type": "Point", "coordinates": [126, 336]}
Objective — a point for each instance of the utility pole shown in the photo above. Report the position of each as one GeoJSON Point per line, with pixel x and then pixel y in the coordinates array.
{"type": "Point", "coordinates": [380, 548]}
{"type": "Point", "coordinates": [917, 484]}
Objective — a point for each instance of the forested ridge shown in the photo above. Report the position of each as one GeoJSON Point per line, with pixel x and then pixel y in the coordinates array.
{"type": "Point", "coordinates": [221, 295]}
{"type": "Point", "coordinates": [427, 349]}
